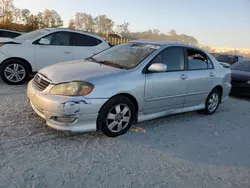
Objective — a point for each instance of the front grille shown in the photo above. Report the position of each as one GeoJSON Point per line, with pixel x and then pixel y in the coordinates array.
{"type": "Point", "coordinates": [40, 82]}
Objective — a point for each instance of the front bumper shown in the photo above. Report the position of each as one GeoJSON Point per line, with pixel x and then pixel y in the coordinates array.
{"type": "Point", "coordinates": [51, 107]}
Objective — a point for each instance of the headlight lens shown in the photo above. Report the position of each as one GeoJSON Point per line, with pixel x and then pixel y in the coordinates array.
{"type": "Point", "coordinates": [248, 82]}
{"type": "Point", "coordinates": [72, 89]}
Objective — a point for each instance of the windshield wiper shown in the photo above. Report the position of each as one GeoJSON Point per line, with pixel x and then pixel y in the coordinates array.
{"type": "Point", "coordinates": [111, 64]}
{"type": "Point", "coordinates": [92, 59]}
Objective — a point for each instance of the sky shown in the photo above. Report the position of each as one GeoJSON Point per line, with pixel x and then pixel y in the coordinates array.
{"type": "Point", "coordinates": [223, 23]}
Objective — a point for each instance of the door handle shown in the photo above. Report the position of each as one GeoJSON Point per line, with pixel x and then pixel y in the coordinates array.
{"type": "Point", "coordinates": [211, 74]}
{"type": "Point", "coordinates": [184, 77]}
{"type": "Point", "coordinates": [67, 52]}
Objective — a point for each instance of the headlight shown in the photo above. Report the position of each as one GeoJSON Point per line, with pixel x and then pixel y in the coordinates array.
{"type": "Point", "coordinates": [72, 89]}
{"type": "Point", "coordinates": [248, 82]}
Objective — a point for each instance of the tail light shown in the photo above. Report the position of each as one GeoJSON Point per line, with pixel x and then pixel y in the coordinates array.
{"type": "Point", "coordinates": [1, 44]}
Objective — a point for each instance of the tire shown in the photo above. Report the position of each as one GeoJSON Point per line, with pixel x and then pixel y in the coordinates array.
{"type": "Point", "coordinates": [212, 102]}
{"type": "Point", "coordinates": [20, 74]}
{"type": "Point", "coordinates": [114, 122]}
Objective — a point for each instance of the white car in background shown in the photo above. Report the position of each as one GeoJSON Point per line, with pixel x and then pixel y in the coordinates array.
{"type": "Point", "coordinates": [33, 51]}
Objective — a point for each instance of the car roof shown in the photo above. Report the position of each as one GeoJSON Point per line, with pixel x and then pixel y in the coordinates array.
{"type": "Point", "coordinates": [229, 54]}
{"type": "Point", "coordinates": [156, 42]}
{"type": "Point", "coordinates": [11, 31]}
{"type": "Point", "coordinates": [166, 43]}
{"type": "Point", "coordinates": [75, 30]}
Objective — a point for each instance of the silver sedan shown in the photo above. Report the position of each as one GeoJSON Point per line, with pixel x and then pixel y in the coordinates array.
{"type": "Point", "coordinates": [128, 83]}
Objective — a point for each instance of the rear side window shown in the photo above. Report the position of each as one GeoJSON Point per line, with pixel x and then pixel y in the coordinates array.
{"type": "Point", "coordinates": [173, 57]}
{"type": "Point", "coordinates": [11, 34]}
{"type": "Point", "coordinates": [8, 34]}
{"type": "Point", "coordinates": [197, 60]}
{"type": "Point", "coordinates": [84, 40]}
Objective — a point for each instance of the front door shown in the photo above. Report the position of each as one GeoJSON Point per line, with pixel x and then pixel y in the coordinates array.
{"type": "Point", "coordinates": [166, 90]}
{"type": "Point", "coordinates": [57, 51]}
{"type": "Point", "coordinates": [200, 78]}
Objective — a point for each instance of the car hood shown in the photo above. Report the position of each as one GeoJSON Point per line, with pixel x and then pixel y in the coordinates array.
{"type": "Point", "coordinates": [240, 75]}
{"type": "Point", "coordinates": [77, 70]}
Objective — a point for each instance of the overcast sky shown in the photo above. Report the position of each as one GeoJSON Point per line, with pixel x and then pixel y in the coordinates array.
{"type": "Point", "coordinates": [213, 22]}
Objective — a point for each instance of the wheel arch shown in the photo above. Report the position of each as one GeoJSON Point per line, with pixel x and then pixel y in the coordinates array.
{"type": "Point", "coordinates": [131, 98]}
{"type": "Point", "coordinates": [18, 58]}
{"type": "Point", "coordinates": [220, 88]}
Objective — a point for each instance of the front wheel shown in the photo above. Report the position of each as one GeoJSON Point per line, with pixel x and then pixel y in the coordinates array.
{"type": "Point", "coordinates": [14, 72]}
{"type": "Point", "coordinates": [212, 102]}
{"type": "Point", "coordinates": [116, 116]}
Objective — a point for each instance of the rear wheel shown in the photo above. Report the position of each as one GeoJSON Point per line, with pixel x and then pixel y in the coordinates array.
{"type": "Point", "coordinates": [116, 116]}
{"type": "Point", "coordinates": [14, 72]}
{"type": "Point", "coordinates": [212, 102]}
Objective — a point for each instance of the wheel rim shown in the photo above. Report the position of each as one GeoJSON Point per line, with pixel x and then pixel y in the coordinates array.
{"type": "Point", "coordinates": [14, 72]}
{"type": "Point", "coordinates": [118, 118]}
{"type": "Point", "coordinates": [213, 102]}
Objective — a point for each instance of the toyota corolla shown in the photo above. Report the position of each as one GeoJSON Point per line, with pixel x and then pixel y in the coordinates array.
{"type": "Point", "coordinates": [128, 83]}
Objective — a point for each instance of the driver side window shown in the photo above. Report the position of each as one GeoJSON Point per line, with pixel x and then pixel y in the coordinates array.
{"type": "Point", "coordinates": [173, 57]}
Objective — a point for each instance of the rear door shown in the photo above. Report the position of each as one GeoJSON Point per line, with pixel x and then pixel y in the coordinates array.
{"type": "Point", "coordinates": [57, 51]}
{"type": "Point", "coordinates": [200, 77]}
{"type": "Point", "coordinates": [84, 46]}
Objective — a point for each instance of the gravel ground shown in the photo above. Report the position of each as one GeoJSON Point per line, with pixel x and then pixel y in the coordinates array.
{"type": "Point", "coordinates": [188, 150]}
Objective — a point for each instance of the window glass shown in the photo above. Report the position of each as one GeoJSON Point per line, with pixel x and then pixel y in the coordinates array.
{"type": "Point", "coordinates": [241, 66]}
{"type": "Point", "coordinates": [125, 55]}
{"type": "Point", "coordinates": [10, 34]}
{"type": "Point", "coordinates": [198, 60]}
{"type": "Point", "coordinates": [226, 58]}
{"type": "Point", "coordinates": [84, 40]}
{"type": "Point", "coordinates": [1, 33]}
{"type": "Point", "coordinates": [172, 57]}
{"type": "Point", "coordinates": [59, 39]}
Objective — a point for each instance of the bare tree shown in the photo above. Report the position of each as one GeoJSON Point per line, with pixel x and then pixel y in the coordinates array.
{"type": "Point", "coordinates": [123, 28]}
{"type": "Point", "coordinates": [6, 8]}
{"type": "Point", "coordinates": [72, 24]}
{"type": "Point", "coordinates": [104, 25]}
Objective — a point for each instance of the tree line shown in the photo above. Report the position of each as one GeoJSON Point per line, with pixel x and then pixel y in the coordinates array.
{"type": "Point", "coordinates": [14, 18]}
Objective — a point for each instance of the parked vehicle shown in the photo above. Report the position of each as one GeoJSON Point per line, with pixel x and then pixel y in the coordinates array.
{"type": "Point", "coordinates": [32, 51]}
{"type": "Point", "coordinates": [5, 33]}
{"type": "Point", "coordinates": [241, 78]}
{"type": "Point", "coordinates": [227, 58]}
{"type": "Point", "coordinates": [130, 82]}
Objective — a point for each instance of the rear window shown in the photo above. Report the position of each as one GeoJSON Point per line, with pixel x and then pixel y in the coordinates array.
{"type": "Point", "coordinates": [84, 40]}
{"type": "Point", "coordinates": [241, 66]}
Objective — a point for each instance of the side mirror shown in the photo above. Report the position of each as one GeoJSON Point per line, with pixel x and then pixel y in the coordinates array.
{"type": "Point", "coordinates": [44, 41]}
{"type": "Point", "coordinates": [157, 67]}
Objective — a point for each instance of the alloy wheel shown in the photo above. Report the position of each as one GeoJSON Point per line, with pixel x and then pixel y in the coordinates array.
{"type": "Point", "coordinates": [118, 118]}
{"type": "Point", "coordinates": [14, 72]}
{"type": "Point", "coordinates": [213, 102]}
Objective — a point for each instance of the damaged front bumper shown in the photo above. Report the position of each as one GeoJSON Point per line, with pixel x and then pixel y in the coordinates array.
{"type": "Point", "coordinates": [75, 114]}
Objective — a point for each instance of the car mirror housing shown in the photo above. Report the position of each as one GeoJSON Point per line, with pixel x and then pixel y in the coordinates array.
{"type": "Point", "coordinates": [44, 41]}
{"type": "Point", "coordinates": [157, 67]}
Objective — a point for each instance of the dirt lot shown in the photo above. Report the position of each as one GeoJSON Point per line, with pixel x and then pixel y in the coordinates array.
{"type": "Point", "coordinates": [188, 150]}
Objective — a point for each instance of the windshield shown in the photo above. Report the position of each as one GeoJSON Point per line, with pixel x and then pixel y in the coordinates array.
{"type": "Point", "coordinates": [241, 66]}
{"type": "Point", "coordinates": [226, 58]}
{"type": "Point", "coordinates": [126, 55]}
{"type": "Point", "coordinates": [32, 35]}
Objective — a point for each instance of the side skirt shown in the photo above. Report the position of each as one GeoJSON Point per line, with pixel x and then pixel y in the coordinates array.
{"type": "Point", "coordinates": [142, 117]}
